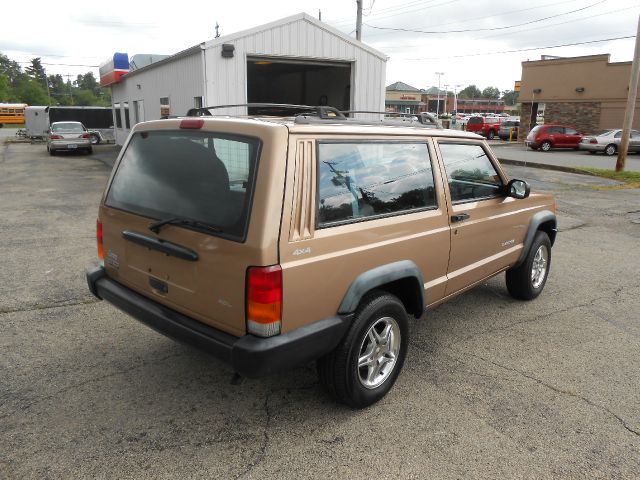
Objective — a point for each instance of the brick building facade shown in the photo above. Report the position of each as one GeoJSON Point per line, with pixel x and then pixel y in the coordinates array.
{"type": "Point", "coordinates": [588, 93]}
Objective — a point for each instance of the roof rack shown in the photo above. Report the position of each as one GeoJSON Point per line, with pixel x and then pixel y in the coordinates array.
{"type": "Point", "coordinates": [274, 109]}
{"type": "Point", "coordinates": [307, 114]}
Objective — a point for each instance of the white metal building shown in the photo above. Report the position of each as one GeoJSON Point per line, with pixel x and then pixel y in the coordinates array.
{"type": "Point", "coordinates": [297, 60]}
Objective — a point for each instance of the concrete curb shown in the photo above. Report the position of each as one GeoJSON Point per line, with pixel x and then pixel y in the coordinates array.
{"type": "Point", "coordinates": [546, 166]}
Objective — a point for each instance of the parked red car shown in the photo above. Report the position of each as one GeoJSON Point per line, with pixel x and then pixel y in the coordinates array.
{"type": "Point", "coordinates": [485, 126]}
{"type": "Point", "coordinates": [546, 137]}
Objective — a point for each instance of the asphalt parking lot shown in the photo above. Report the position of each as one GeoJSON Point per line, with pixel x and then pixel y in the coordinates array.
{"type": "Point", "coordinates": [492, 387]}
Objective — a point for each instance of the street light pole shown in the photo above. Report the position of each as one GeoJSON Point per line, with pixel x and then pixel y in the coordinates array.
{"type": "Point", "coordinates": [438, 104]}
{"type": "Point", "coordinates": [455, 97]}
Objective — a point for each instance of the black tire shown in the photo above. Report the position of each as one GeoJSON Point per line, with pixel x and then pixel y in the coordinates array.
{"type": "Point", "coordinates": [52, 152]}
{"type": "Point", "coordinates": [610, 150]}
{"type": "Point", "coordinates": [521, 282]}
{"type": "Point", "coordinates": [545, 146]}
{"type": "Point", "coordinates": [339, 372]}
{"type": "Point", "coordinates": [88, 151]}
{"type": "Point", "coordinates": [491, 135]}
{"type": "Point", "coordinates": [592, 152]}
{"type": "Point", "coordinates": [95, 139]}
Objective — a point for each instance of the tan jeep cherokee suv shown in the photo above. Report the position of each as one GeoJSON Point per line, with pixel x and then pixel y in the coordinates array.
{"type": "Point", "coordinates": [271, 242]}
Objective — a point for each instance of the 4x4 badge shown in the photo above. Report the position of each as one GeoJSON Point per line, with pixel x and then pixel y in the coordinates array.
{"type": "Point", "coordinates": [301, 251]}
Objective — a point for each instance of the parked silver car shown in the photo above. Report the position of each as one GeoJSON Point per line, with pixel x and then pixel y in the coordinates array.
{"type": "Point", "coordinates": [69, 136]}
{"type": "Point", "coordinates": [608, 142]}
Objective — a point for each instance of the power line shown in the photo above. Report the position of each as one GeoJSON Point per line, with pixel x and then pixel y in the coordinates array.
{"type": "Point", "coordinates": [485, 29]}
{"type": "Point", "coordinates": [522, 49]}
{"type": "Point", "coordinates": [503, 14]}
{"type": "Point", "coordinates": [63, 64]}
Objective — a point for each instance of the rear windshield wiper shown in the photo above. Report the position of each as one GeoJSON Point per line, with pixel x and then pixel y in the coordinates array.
{"type": "Point", "coordinates": [156, 226]}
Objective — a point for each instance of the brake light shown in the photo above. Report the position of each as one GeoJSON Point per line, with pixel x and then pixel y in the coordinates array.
{"type": "Point", "coordinates": [264, 300]}
{"type": "Point", "coordinates": [195, 124]}
{"type": "Point", "coordinates": [56, 137]}
{"type": "Point", "coordinates": [99, 240]}
{"type": "Point", "coordinates": [86, 135]}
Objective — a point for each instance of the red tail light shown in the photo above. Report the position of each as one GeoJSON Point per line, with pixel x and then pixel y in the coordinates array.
{"type": "Point", "coordinates": [99, 240]}
{"type": "Point", "coordinates": [86, 135]}
{"type": "Point", "coordinates": [264, 300]}
{"type": "Point", "coordinates": [56, 137]}
{"type": "Point", "coordinates": [593, 141]}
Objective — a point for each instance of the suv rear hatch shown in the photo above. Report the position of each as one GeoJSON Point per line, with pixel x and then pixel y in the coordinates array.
{"type": "Point", "coordinates": [202, 183]}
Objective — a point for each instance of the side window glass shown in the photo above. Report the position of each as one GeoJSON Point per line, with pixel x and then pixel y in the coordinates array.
{"type": "Point", "coordinates": [470, 173]}
{"type": "Point", "coordinates": [570, 131]}
{"type": "Point", "coordinates": [618, 134]}
{"type": "Point", "coordinates": [360, 180]}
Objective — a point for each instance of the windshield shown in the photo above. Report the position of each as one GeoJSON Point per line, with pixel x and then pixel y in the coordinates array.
{"type": "Point", "coordinates": [202, 176]}
{"type": "Point", "coordinates": [67, 127]}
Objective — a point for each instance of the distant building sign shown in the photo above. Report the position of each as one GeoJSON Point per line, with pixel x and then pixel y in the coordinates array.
{"type": "Point", "coordinates": [113, 69]}
{"type": "Point", "coordinates": [407, 97]}
{"type": "Point", "coordinates": [516, 86]}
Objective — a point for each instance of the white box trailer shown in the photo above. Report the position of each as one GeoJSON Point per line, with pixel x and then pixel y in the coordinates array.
{"type": "Point", "coordinates": [98, 120]}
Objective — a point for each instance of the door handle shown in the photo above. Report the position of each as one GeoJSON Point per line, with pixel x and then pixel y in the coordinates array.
{"type": "Point", "coordinates": [459, 217]}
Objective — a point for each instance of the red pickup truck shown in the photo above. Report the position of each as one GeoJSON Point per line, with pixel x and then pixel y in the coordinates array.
{"type": "Point", "coordinates": [485, 126]}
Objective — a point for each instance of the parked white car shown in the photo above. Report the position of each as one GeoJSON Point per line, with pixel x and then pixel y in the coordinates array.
{"type": "Point", "coordinates": [608, 142]}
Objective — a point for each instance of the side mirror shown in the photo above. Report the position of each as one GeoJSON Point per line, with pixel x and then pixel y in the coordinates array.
{"type": "Point", "coordinates": [518, 189]}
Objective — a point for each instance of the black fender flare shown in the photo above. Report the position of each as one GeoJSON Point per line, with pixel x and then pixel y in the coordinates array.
{"type": "Point", "coordinates": [382, 275]}
{"type": "Point", "coordinates": [545, 216]}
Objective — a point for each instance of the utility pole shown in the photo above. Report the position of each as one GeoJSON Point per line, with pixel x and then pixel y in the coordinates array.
{"type": "Point", "coordinates": [631, 105]}
{"type": "Point", "coordinates": [446, 97]}
{"type": "Point", "coordinates": [359, 20]}
{"type": "Point", "coordinates": [217, 30]}
{"type": "Point", "coordinates": [319, 15]}
{"type": "Point", "coordinates": [438, 104]}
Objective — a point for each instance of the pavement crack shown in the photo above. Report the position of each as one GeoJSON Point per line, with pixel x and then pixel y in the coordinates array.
{"type": "Point", "coordinates": [63, 303]}
{"type": "Point", "coordinates": [558, 390]}
{"type": "Point", "coordinates": [265, 438]}
{"type": "Point", "coordinates": [90, 381]}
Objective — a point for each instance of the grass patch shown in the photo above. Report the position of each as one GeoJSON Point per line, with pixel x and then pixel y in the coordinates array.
{"type": "Point", "coordinates": [13, 125]}
{"type": "Point", "coordinates": [628, 179]}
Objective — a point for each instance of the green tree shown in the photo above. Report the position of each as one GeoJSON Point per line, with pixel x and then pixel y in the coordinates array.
{"type": "Point", "coordinates": [36, 71]}
{"type": "Point", "coordinates": [470, 92]}
{"type": "Point", "coordinates": [84, 97]}
{"type": "Point", "coordinates": [510, 97]}
{"type": "Point", "coordinates": [491, 92]}
{"type": "Point", "coordinates": [31, 92]}
{"type": "Point", "coordinates": [7, 94]}
{"type": "Point", "coordinates": [11, 70]}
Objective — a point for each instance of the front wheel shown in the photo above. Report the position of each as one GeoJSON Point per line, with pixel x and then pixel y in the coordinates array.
{"type": "Point", "coordinates": [365, 365]}
{"type": "Point", "coordinates": [526, 281]}
{"type": "Point", "coordinates": [545, 146]}
{"type": "Point", "coordinates": [491, 135]}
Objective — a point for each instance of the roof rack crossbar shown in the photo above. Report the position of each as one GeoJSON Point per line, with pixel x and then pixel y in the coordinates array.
{"type": "Point", "coordinates": [323, 112]}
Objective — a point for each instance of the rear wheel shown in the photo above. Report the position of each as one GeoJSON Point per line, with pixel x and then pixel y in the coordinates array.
{"type": "Point", "coordinates": [95, 139]}
{"type": "Point", "coordinates": [610, 149]}
{"type": "Point", "coordinates": [545, 146]}
{"type": "Point", "coordinates": [365, 365]}
{"type": "Point", "coordinates": [526, 281]}
{"type": "Point", "coordinates": [52, 152]}
{"type": "Point", "coordinates": [89, 151]}
{"type": "Point", "coordinates": [592, 152]}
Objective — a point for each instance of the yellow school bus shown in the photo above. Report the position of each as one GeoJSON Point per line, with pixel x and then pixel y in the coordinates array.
{"type": "Point", "coordinates": [12, 113]}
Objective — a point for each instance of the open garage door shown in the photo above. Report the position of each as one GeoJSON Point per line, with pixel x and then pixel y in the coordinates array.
{"type": "Point", "coordinates": [275, 80]}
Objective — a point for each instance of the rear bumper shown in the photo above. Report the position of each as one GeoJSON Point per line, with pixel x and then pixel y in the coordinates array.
{"type": "Point", "coordinates": [249, 355]}
{"type": "Point", "coordinates": [65, 144]}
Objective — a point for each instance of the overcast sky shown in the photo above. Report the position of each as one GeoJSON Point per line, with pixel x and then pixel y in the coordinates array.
{"type": "Point", "coordinates": [471, 34]}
